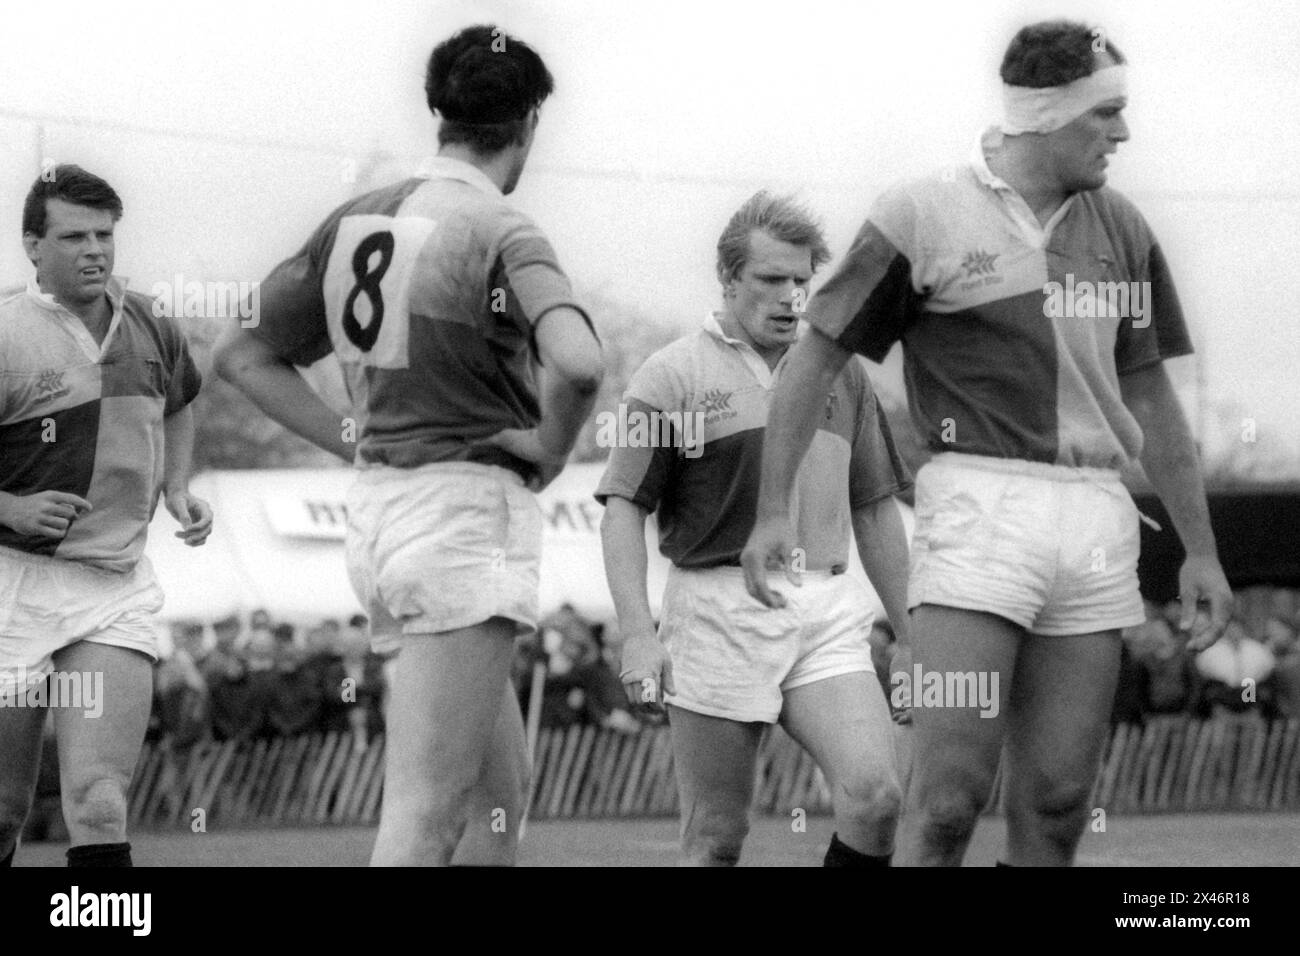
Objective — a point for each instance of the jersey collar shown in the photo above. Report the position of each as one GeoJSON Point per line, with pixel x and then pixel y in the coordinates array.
{"type": "Point", "coordinates": [1037, 233]}
{"type": "Point", "coordinates": [446, 167]}
{"type": "Point", "coordinates": [751, 358]}
{"type": "Point", "coordinates": [116, 292]}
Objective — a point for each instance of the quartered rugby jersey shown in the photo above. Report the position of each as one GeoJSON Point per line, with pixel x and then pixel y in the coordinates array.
{"type": "Point", "coordinates": [703, 481]}
{"type": "Point", "coordinates": [1014, 334]}
{"type": "Point", "coordinates": [88, 419]}
{"type": "Point", "coordinates": [427, 291]}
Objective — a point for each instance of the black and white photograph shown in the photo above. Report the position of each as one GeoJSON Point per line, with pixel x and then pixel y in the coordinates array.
{"type": "Point", "coordinates": [494, 433]}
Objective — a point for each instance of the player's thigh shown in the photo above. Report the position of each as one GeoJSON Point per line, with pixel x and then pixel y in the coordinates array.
{"type": "Point", "coordinates": [21, 729]}
{"type": "Point", "coordinates": [714, 759]}
{"type": "Point", "coordinates": [952, 743]}
{"type": "Point", "coordinates": [843, 722]}
{"type": "Point", "coordinates": [445, 701]}
{"type": "Point", "coordinates": [1060, 711]}
{"type": "Point", "coordinates": [506, 767]}
{"type": "Point", "coordinates": [100, 735]}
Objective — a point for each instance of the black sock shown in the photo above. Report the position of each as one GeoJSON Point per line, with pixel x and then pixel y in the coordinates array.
{"type": "Point", "coordinates": [100, 854]}
{"type": "Point", "coordinates": [840, 853]}
{"type": "Point", "coordinates": [1000, 863]}
{"type": "Point", "coordinates": [9, 860]}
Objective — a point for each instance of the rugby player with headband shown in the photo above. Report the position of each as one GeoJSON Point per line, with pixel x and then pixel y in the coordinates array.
{"type": "Point", "coordinates": [1024, 556]}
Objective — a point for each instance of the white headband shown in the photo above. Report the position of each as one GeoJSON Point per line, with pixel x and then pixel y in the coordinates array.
{"type": "Point", "coordinates": [1029, 110]}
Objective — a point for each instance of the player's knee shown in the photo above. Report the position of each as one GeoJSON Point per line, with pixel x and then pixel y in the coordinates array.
{"type": "Point", "coordinates": [715, 836]}
{"type": "Point", "coordinates": [1060, 810]}
{"type": "Point", "coordinates": [869, 801]}
{"type": "Point", "coordinates": [951, 813]}
{"type": "Point", "coordinates": [97, 803]}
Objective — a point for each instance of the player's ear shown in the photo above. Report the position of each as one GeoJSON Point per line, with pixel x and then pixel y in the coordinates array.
{"type": "Point", "coordinates": [30, 239]}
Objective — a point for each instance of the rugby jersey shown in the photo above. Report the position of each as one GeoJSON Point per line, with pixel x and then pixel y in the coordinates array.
{"type": "Point", "coordinates": [704, 485]}
{"type": "Point", "coordinates": [427, 291]}
{"type": "Point", "coordinates": [957, 268]}
{"type": "Point", "coordinates": [88, 419]}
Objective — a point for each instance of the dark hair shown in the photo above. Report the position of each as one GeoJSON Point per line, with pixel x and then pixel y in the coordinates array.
{"type": "Point", "coordinates": [73, 185]}
{"type": "Point", "coordinates": [484, 82]}
{"type": "Point", "coordinates": [1054, 53]}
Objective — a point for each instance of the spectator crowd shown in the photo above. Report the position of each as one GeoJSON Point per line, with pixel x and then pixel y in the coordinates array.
{"type": "Point", "coordinates": [238, 679]}
{"type": "Point", "coordinates": [251, 679]}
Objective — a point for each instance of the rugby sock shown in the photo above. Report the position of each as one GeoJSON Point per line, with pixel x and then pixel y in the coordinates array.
{"type": "Point", "coordinates": [1000, 863]}
{"type": "Point", "coordinates": [9, 860]}
{"type": "Point", "coordinates": [100, 855]}
{"type": "Point", "coordinates": [840, 853]}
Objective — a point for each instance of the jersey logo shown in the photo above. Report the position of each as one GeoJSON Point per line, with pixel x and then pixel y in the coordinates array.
{"type": "Point", "coordinates": [715, 401]}
{"type": "Point", "coordinates": [50, 386]}
{"type": "Point", "coordinates": [979, 263]}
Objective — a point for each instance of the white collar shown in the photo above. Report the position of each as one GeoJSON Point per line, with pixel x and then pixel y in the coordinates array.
{"type": "Point", "coordinates": [115, 289]}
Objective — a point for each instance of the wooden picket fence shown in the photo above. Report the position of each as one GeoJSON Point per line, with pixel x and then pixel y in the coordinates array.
{"type": "Point", "coordinates": [1173, 764]}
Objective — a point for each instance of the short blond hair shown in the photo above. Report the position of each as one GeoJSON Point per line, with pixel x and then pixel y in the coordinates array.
{"type": "Point", "coordinates": [784, 218]}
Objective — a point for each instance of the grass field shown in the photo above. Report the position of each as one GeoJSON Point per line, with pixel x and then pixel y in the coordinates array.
{"type": "Point", "coordinates": [1176, 840]}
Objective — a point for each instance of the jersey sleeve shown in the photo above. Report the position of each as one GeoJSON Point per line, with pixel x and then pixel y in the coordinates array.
{"type": "Point", "coordinates": [641, 474]}
{"type": "Point", "coordinates": [290, 315]}
{"type": "Point", "coordinates": [876, 469]}
{"type": "Point", "coordinates": [1161, 333]}
{"type": "Point", "coordinates": [183, 378]}
{"type": "Point", "coordinates": [866, 303]}
{"type": "Point", "coordinates": [533, 271]}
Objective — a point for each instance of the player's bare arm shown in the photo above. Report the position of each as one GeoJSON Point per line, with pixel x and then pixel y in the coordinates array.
{"type": "Point", "coordinates": [881, 540]}
{"type": "Point", "coordinates": [814, 363]}
{"type": "Point", "coordinates": [1170, 461]}
{"type": "Point", "coordinates": [246, 361]}
{"type": "Point", "coordinates": [194, 514]}
{"type": "Point", "coordinates": [882, 547]}
{"type": "Point", "coordinates": [46, 513]}
{"type": "Point", "coordinates": [622, 534]}
{"type": "Point", "coordinates": [570, 376]}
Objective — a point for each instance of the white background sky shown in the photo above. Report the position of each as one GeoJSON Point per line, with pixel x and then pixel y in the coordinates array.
{"type": "Point", "coordinates": [667, 116]}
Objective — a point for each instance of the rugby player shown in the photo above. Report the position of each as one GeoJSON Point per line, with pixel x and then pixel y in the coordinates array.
{"type": "Point", "coordinates": [727, 668]}
{"type": "Point", "coordinates": [94, 426]}
{"type": "Point", "coordinates": [436, 296]}
{"type": "Point", "coordinates": [1024, 556]}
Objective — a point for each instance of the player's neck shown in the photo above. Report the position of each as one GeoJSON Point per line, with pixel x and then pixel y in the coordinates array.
{"type": "Point", "coordinates": [1017, 166]}
{"type": "Point", "coordinates": [496, 167]}
{"type": "Point", "coordinates": [95, 314]}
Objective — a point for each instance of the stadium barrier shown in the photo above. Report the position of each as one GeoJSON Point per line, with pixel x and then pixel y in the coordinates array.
{"type": "Point", "coordinates": [1170, 764]}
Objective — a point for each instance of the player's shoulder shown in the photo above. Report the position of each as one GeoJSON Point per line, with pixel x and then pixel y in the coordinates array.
{"type": "Point", "coordinates": [1120, 214]}
{"type": "Point", "coordinates": [151, 314]}
{"type": "Point", "coordinates": [673, 366]}
{"type": "Point", "coordinates": [12, 298]}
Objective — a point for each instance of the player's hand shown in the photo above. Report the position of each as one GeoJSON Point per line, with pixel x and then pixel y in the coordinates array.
{"type": "Point", "coordinates": [194, 515]}
{"type": "Point", "coordinates": [900, 684]}
{"type": "Point", "coordinates": [46, 513]}
{"type": "Point", "coordinates": [526, 444]}
{"type": "Point", "coordinates": [647, 673]}
{"type": "Point", "coordinates": [1201, 582]}
{"type": "Point", "coordinates": [770, 547]}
